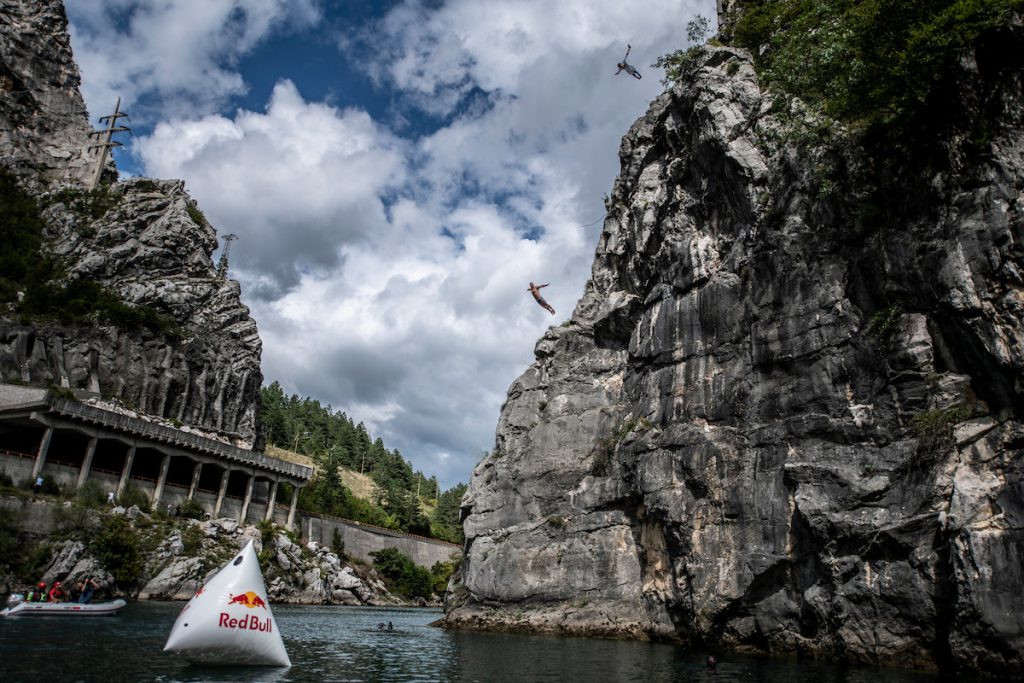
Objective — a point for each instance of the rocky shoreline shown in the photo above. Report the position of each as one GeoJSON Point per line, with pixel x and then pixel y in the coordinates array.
{"type": "Point", "coordinates": [182, 554]}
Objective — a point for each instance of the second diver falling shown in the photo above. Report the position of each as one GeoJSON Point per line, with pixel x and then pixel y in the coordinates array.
{"type": "Point", "coordinates": [535, 290]}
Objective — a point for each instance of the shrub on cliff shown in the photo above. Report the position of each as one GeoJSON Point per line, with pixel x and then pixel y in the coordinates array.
{"type": "Point", "coordinates": [10, 541]}
{"type": "Point", "coordinates": [133, 495]}
{"type": "Point", "coordinates": [872, 61]}
{"type": "Point", "coordinates": [90, 495]}
{"type": "Point", "coordinates": [192, 509]}
{"type": "Point", "coordinates": [119, 549]}
{"type": "Point", "coordinates": [21, 230]}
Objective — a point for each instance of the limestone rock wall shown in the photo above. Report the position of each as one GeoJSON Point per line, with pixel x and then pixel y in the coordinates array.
{"type": "Point", "coordinates": [144, 240]}
{"type": "Point", "coordinates": [771, 423]}
{"type": "Point", "coordinates": [150, 251]}
{"type": "Point", "coordinates": [44, 126]}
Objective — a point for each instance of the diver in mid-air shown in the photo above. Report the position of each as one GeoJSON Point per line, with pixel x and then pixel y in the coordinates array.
{"type": "Point", "coordinates": [626, 66]}
{"type": "Point", "coordinates": [535, 290]}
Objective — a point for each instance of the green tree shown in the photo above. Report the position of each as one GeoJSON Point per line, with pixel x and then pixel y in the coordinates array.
{"type": "Point", "coordinates": [333, 441]}
{"type": "Point", "coordinates": [446, 523]}
{"type": "Point", "coordinates": [876, 61]}
{"type": "Point", "coordinates": [21, 233]}
{"type": "Point", "coordinates": [402, 575]}
{"type": "Point", "coordinates": [118, 548]}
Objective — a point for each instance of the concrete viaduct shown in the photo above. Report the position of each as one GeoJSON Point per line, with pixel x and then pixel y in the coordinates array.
{"type": "Point", "coordinates": [71, 442]}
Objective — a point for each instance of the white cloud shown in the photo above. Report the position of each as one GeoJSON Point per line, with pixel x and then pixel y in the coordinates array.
{"type": "Point", "coordinates": [387, 275]}
{"type": "Point", "coordinates": [295, 183]}
{"type": "Point", "coordinates": [182, 51]}
{"type": "Point", "coordinates": [501, 44]}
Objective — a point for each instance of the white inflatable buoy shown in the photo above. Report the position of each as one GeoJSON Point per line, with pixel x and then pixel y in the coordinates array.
{"type": "Point", "coordinates": [229, 620]}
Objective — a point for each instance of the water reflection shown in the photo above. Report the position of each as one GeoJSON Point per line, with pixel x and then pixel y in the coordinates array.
{"type": "Point", "coordinates": [344, 644]}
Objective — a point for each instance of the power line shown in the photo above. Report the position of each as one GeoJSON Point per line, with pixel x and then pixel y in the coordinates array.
{"type": "Point", "coordinates": [595, 222]}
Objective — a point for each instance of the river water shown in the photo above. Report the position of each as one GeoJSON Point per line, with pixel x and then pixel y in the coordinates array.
{"type": "Point", "coordinates": [344, 644]}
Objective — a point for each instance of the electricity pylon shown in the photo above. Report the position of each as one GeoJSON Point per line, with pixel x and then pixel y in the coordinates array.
{"type": "Point", "coordinates": [222, 266]}
{"type": "Point", "coordinates": [108, 140]}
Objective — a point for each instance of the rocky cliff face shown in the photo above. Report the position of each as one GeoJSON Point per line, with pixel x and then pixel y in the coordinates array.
{"type": "Point", "coordinates": [773, 422]}
{"type": "Point", "coordinates": [44, 129]}
{"type": "Point", "coordinates": [144, 240]}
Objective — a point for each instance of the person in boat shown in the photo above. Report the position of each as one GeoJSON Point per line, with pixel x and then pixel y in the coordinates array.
{"type": "Point", "coordinates": [75, 594]}
{"type": "Point", "coordinates": [57, 593]}
{"type": "Point", "coordinates": [88, 588]}
{"type": "Point", "coordinates": [535, 290]}
{"type": "Point", "coordinates": [37, 594]}
{"type": "Point", "coordinates": [626, 66]}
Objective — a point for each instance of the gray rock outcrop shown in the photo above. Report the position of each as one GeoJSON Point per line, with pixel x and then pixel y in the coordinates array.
{"type": "Point", "coordinates": [294, 573]}
{"type": "Point", "coordinates": [144, 241]}
{"type": "Point", "coordinates": [771, 424]}
{"type": "Point", "coordinates": [44, 127]}
{"type": "Point", "coordinates": [192, 552]}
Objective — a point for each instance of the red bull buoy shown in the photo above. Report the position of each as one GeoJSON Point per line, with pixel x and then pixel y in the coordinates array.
{"type": "Point", "coordinates": [229, 620]}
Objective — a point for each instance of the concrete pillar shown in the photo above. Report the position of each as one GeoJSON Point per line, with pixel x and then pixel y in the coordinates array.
{"type": "Point", "coordinates": [291, 511]}
{"type": "Point", "coordinates": [161, 480]}
{"type": "Point", "coordinates": [270, 501]}
{"type": "Point", "coordinates": [126, 472]}
{"type": "Point", "coordinates": [90, 451]}
{"type": "Point", "coordinates": [221, 493]}
{"type": "Point", "coordinates": [195, 480]}
{"type": "Point", "coordinates": [44, 446]}
{"type": "Point", "coordinates": [247, 500]}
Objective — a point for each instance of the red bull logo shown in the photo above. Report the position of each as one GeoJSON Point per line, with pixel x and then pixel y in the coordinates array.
{"type": "Point", "coordinates": [247, 599]}
{"type": "Point", "coordinates": [250, 622]}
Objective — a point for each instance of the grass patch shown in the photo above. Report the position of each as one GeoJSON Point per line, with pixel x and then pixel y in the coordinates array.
{"type": "Point", "coordinates": [558, 521]}
{"type": "Point", "coordinates": [935, 432]}
{"type": "Point", "coordinates": [89, 205]}
{"type": "Point", "coordinates": [883, 323]}
{"type": "Point", "coordinates": [197, 216]}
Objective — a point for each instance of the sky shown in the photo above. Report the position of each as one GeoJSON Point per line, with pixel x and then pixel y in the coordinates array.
{"type": "Point", "coordinates": [397, 173]}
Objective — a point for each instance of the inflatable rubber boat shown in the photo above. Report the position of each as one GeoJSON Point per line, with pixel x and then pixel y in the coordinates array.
{"type": "Point", "coordinates": [229, 620]}
{"type": "Point", "coordinates": [18, 608]}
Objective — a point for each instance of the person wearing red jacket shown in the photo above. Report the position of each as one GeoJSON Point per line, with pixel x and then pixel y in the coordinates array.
{"type": "Point", "coordinates": [57, 593]}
